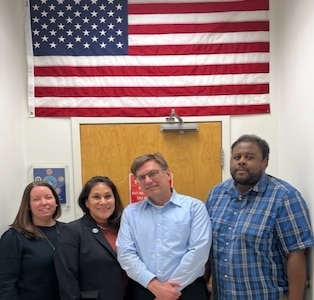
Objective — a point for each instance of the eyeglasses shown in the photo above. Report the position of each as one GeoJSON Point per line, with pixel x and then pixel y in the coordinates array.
{"type": "Point", "coordinates": [151, 174]}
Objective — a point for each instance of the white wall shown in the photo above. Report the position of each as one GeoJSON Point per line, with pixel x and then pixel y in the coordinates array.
{"type": "Point", "coordinates": [288, 128]}
{"type": "Point", "coordinates": [12, 109]}
{"type": "Point", "coordinates": [296, 81]}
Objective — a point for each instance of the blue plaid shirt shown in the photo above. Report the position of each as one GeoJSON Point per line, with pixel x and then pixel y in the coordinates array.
{"type": "Point", "coordinates": [251, 234]}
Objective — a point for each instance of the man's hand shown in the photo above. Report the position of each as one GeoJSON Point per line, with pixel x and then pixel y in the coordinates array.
{"type": "Point", "coordinates": [164, 290]}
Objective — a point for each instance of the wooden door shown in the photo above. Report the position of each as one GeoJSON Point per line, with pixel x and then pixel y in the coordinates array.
{"type": "Point", "coordinates": [193, 157]}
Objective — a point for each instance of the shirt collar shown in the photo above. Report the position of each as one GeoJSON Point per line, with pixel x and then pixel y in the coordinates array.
{"type": "Point", "coordinates": [259, 187]}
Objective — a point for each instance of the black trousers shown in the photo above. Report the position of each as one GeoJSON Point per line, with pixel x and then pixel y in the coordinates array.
{"type": "Point", "coordinates": [196, 290]}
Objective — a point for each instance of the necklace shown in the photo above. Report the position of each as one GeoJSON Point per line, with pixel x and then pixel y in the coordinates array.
{"type": "Point", "coordinates": [103, 227]}
{"type": "Point", "coordinates": [46, 238]}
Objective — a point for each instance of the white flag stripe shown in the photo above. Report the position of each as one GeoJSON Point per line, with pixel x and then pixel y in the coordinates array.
{"type": "Point", "coordinates": [199, 18]}
{"type": "Point", "coordinates": [151, 101]}
{"type": "Point", "coordinates": [197, 38]}
{"type": "Point", "coordinates": [152, 81]}
{"type": "Point", "coordinates": [165, 60]}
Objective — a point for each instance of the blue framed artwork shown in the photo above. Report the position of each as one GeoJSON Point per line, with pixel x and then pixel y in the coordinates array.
{"type": "Point", "coordinates": [56, 176]}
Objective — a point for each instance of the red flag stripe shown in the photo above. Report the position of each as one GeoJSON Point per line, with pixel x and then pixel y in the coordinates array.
{"type": "Point", "coordinates": [156, 71]}
{"type": "Point", "coordinates": [152, 111]}
{"type": "Point", "coordinates": [197, 7]}
{"type": "Point", "coordinates": [200, 49]}
{"type": "Point", "coordinates": [198, 28]}
{"type": "Point", "coordinates": [152, 91]}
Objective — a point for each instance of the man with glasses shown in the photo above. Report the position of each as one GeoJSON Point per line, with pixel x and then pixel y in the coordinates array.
{"type": "Point", "coordinates": [164, 240]}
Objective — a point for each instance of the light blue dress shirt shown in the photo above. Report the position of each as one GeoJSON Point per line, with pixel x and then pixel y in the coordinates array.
{"type": "Point", "coordinates": [170, 242]}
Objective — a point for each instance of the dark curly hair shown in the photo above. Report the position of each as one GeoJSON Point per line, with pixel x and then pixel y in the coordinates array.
{"type": "Point", "coordinates": [252, 138]}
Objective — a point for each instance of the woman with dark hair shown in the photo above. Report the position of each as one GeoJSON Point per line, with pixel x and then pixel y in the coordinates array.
{"type": "Point", "coordinates": [85, 259]}
{"type": "Point", "coordinates": [26, 249]}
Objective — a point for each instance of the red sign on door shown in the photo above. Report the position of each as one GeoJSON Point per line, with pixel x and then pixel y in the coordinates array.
{"type": "Point", "coordinates": [136, 193]}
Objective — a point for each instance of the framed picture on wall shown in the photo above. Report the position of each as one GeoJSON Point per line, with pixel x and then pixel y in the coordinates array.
{"type": "Point", "coordinates": [56, 175]}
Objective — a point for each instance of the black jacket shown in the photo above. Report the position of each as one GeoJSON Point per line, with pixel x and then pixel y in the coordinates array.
{"type": "Point", "coordinates": [86, 264]}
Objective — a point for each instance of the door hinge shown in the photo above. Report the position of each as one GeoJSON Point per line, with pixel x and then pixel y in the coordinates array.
{"type": "Point", "coordinates": [222, 156]}
{"type": "Point", "coordinates": [308, 283]}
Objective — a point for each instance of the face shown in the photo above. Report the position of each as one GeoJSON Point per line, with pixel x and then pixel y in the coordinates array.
{"type": "Point", "coordinates": [101, 202]}
{"type": "Point", "coordinates": [247, 164]}
{"type": "Point", "coordinates": [42, 205]}
{"type": "Point", "coordinates": [154, 182]}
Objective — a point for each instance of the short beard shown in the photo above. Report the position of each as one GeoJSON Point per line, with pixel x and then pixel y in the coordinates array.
{"type": "Point", "coordinates": [251, 181]}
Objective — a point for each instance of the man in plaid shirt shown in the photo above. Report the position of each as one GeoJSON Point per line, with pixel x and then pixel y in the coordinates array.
{"type": "Point", "coordinates": [261, 230]}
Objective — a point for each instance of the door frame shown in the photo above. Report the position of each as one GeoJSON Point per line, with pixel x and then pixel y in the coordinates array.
{"type": "Point", "coordinates": [76, 142]}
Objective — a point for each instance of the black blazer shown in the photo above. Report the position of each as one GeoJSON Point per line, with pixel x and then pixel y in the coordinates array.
{"type": "Point", "coordinates": [86, 264]}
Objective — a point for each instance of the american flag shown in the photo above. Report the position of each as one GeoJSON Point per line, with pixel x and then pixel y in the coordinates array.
{"type": "Point", "coordinates": [142, 58]}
